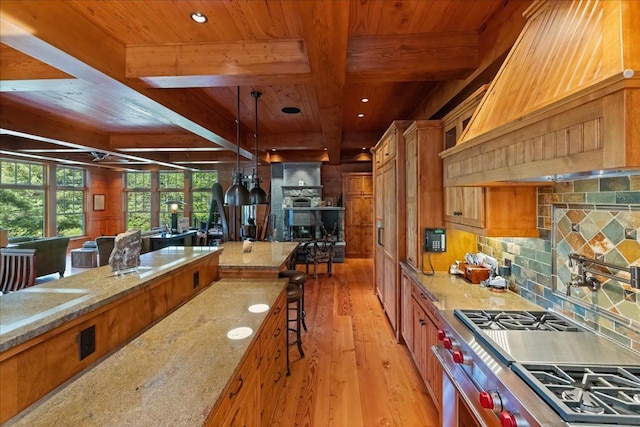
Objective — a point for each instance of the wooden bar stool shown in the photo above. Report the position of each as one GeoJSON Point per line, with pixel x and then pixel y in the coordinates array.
{"type": "Point", "coordinates": [294, 296]}
{"type": "Point", "coordinates": [297, 278]}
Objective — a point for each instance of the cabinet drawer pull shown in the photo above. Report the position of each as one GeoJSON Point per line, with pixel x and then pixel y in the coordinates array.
{"type": "Point", "coordinates": [279, 377]}
{"type": "Point", "coordinates": [277, 310]}
{"type": "Point", "coordinates": [422, 322]}
{"type": "Point", "coordinates": [234, 393]}
{"type": "Point", "coordinates": [278, 355]}
{"type": "Point", "coordinates": [423, 296]}
{"type": "Point", "coordinates": [278, 332]}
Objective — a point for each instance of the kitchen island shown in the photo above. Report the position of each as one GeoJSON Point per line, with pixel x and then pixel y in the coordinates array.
{"type": "Point", "coordinates": [51, 332]}
{"type": "Point", "coordinates": [265, 260]}
{"type": "Point", "coordinates": [201, 365]}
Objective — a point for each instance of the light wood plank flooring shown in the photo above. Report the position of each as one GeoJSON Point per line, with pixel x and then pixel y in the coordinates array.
{"type": "Point", "coordinates": [354, 373]}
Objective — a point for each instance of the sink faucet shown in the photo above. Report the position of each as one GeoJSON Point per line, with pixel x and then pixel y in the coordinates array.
{"type": "Point", "coordinates": [584, 266]}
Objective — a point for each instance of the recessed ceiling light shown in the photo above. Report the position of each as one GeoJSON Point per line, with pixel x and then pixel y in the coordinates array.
{"type": "Point", "coordinates": [290, 110]}
{"type": "Point", "coordinates": [364, 148]}
{"type": "Point", "coordinates": [325, 148]}
{"type": "Point", "coordinates": [198, 17]}
{"type": "Point", "coordinates": [364, 100]}
{"type": "Point", "coordinates": [273, 149]}
{"type": "Point", "coordinates": [361, 115]}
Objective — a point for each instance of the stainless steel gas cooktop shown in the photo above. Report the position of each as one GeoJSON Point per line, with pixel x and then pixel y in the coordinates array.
{"type": "Point", "coordinates": [587, 379]}
{"type": "Point", "coordinates": [542, 337]}
{"type": "Point", "coordinates": [587, 394]}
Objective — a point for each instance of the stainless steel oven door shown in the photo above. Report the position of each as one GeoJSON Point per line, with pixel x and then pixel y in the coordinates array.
{"type": "Point", "coordinates": [460, 404]}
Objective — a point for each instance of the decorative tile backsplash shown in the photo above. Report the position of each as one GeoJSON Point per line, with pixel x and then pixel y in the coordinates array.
{"type": "Point", "coordinates": [602, 234]}
{"type": "Point", "coordinates": [599, 216]}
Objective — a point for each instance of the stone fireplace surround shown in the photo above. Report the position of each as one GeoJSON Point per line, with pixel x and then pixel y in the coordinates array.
{"type": "Point", "coordinates": [290, 193]}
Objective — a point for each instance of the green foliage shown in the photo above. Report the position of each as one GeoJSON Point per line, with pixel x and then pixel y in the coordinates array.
{"type": "Point", "coordinates": [22, 212]}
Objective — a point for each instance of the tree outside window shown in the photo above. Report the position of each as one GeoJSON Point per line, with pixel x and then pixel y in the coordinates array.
{"type": "Point", "coordinates": [138, 191]}
{"type": "Point", "coordinates": [22, 201]}
{"type": "Point", "coordinates": [70, 190]}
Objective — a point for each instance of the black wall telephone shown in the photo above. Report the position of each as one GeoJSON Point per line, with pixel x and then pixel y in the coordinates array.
{"type": "Point", "coordinates": [435, 240]}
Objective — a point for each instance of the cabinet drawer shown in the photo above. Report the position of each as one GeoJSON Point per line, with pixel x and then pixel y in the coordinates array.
{"type": "Point", "coordinates": [275, 326]}
{"type": "Point", "coordinates": [425, 302]}
{"type": "Point", "coordinates": [237, 388]}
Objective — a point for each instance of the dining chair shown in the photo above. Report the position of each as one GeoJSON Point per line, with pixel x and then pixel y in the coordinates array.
{"type": "Point", "coordinates": [319, 251]}
{"type": "Point", "coordinates": [17, 269]}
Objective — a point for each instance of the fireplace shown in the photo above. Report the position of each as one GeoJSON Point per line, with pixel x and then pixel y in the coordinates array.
{"type": "Point", "coordinates": [303, 232]}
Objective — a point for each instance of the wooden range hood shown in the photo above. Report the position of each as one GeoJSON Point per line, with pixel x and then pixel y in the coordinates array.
{"type": "Point", "coordinates": [565, 102]}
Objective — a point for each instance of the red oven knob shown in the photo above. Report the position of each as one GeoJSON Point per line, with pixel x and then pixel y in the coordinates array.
{"type": "Point", "coordinates": [491, 400]}
{"type": "Point", "coordinates": [447, 343]}
{"type": "Point", "coordinates": [486, 400]}
{"type": "Point", "coordinates": [507, 419]}
{"type": "Point", "coordinates": [458, 357]}
{"type": "Point", "coordinates": [441, 334]}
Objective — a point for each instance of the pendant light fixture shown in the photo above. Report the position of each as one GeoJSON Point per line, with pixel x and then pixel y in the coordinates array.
{"type": "Point", "coordinates": [257, 194]}
{"type": "Point", "coordinates": [237, 194]}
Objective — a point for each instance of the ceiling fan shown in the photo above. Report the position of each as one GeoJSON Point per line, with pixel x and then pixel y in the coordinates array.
{"type": "Point", "coordinates": [99, 156]}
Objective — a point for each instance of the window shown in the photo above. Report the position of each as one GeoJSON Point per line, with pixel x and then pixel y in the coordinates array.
{"type": "Point", "coordinates": [22, 201]}
{"type": "Point", "coordinates": [69, 201]}
{"type": "Point", "coordinates": [171, 189]}
{"type": "Point", "coordinates": [201, 195]}
{"type": "Point", "coordinates": [138, 191]}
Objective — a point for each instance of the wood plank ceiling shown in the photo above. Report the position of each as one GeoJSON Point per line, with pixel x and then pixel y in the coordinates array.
{"type": "Point", "coordinates": [142, 81]}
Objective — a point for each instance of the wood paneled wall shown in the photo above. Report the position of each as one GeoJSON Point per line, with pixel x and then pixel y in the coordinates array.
{"type": "Point", "coordinates": [332, 178]}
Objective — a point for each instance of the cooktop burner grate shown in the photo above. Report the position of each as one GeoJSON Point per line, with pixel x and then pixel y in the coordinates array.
{"type": "Point", "coordinates": [596, 394]}
{"type": "Point", "coordinates": [515, 320]}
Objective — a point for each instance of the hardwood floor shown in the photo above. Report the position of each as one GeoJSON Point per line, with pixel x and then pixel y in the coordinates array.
{"type": "Point", "coordinates": [354, 373]}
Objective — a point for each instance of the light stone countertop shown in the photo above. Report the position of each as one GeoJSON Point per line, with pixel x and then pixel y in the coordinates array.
{"type": "Point", "coordinates": [264, 255]}
{"type": "Point", "coordinates": [172, 374]}
{"type": "Point", "coordinates": [451, 291]}
{"type": "Point", "coordinates": [33, 311]}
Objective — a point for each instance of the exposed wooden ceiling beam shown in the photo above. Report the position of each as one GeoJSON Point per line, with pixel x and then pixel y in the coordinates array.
{"type": "Point", "coordinates": [326, 29]}
{"type": "Point", "coordinates": [15, 65]}
{"type": "Point", "coordinates": [103, 67]}
{"type": "Point", "coordinates": [177, 82]}
{"type": "Point", "coordinates": [292, 141]}
{"type": "Point", "coordinates": [132, 143]}
{"type": "Point", "coordinates": [420, 57]}
{"type": "Point", "coordinates": [245, 58]}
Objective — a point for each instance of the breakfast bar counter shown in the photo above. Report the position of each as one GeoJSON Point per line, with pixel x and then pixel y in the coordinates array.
{"type": "Point", "coordinates": [265, 260]}
{"type": "Point", "coordinates": [52, 331]}
{"type": "Point", "coordinates": [38, 309]}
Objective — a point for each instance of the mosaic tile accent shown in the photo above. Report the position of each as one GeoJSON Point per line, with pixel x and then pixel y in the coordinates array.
{"type": "Point", "coordinates": [600, 235]}
{"type": "Point", "coordinates": [613, 229]}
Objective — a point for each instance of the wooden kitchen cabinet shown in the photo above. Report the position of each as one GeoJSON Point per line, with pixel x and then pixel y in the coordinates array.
{"type": "Point", "coordinates": [509, 211]}
{"type": "Point", "coordinates": [273, 361]}
{"type": "Point", "coordinates": [423, 177]}
{"type": "Point", "coordinates": [456, 121]}
{"type": "Point", "coordinates": [420, 324]}
{"type": "Point", "coordinates": [406, 290]}
{"type": "Point", "coordinates": [357, 191]}
{"type": "Point", "coordinates": [425, 335]}
{"type": "Point", "coordinates": [240, 402]}
{"type": "Point", "coordinates": [390, 205]}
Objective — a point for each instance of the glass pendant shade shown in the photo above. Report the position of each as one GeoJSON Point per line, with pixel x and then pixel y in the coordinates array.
{"type": "Point", "coordinates": [237, 194]}
{"type": "Point", "coordinates": [257, 195]}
